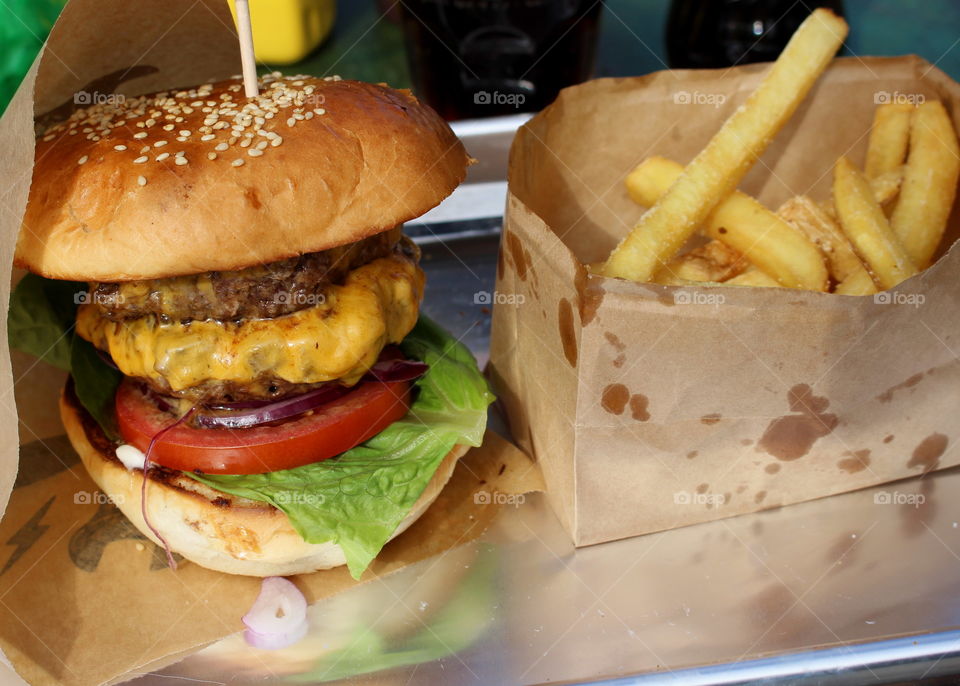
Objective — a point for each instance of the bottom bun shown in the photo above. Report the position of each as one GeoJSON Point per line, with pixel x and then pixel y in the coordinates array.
{"type": "Point", "coordinates": [214, 529]}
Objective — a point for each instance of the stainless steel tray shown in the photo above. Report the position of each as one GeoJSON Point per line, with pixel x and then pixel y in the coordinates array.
{"type": "Point", "coordinates": [857, 588]}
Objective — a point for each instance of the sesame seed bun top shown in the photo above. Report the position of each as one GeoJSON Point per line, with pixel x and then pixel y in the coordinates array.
{"type": "Point", "coordinates": [203, 179]}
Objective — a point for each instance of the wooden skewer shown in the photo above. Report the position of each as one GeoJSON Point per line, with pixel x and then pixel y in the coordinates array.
{"type": "Point", "coordinates": [247, 56]}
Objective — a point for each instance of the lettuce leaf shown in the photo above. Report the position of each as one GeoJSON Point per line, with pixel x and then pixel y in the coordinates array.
{"type": "Point", "coordinates": [42, 315]}
{"type": "Point", "coordinates": [358, 499]}
{"type": "Point", "coordinates": [42, 312]}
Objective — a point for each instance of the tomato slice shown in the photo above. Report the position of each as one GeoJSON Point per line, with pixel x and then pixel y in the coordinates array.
{"type": "Point", "coordinates": [324, 432]}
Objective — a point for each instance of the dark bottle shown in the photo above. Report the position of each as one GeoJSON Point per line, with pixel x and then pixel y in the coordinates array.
{"type": "Point", "coordinates": [477, 58]}
{"type": "Point", "coordinates": [709, 34]}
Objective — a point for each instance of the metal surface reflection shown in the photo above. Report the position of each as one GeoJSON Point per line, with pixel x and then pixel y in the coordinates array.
{"type": "Point", "coordinates": [521, 606]}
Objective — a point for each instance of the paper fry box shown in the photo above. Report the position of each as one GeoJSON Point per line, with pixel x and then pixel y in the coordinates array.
{"type": "Point", "coordinates": [651, 407]}
{"type": "Point", "coordinates": [85, 598]}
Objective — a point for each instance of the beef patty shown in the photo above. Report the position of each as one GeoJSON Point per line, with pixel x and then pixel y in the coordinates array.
{"type": "Point", "coordinates": [263, 291]}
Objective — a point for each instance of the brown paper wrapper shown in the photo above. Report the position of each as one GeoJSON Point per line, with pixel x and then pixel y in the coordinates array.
{"type": "Point", "coordinates": [651, 407]}
{"type": "Point", "coordinates": [87, 599]}
{"type": "Point", "coordinates": [84, 597]}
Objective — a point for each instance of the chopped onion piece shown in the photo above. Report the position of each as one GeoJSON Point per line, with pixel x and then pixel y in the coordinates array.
{"type": "Point", "coordinates": [274, 641]}
{"type": "Point", "coordinates": [278, 617]}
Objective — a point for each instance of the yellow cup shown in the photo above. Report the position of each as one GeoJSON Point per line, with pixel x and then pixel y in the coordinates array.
{"type": "Point", "coordinates": [286, 31]}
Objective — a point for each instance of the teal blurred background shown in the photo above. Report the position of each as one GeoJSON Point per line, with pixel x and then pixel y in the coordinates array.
{"type": "Point", "coordinates": [24, 25]}
{"type": "Point", "coordinates": [367, 46]}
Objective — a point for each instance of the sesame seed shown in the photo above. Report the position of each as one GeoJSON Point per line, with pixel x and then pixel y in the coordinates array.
{"type": "Point", "coordinates": [320, 111]}
{"type": "Point", "coordinates": [262, 145]}
{"type": "Point", "coordinates": [141, 160]}
{"type": "Point", "coordinates": [119, 148]}
{"type": "Point", "coordinates": [221, 147]}
{"type": "Point", "coordinates": [291, 121]}
{"type": "Point", "coordinates": [181, 153]}
{"type": "Point", "coordinates": [208, 137]}
{"type": "Point", "coordinates": [48, 138]}
{"type": "Point", "coordinates": [182, 139]}
{"type": "Point", "coordinates": [169, 127]}
{"type": "Point", "coordinates": [83, 160]}
{"type": "Point", "coordinates": [162, 156]}
{"type": "Point", "coordinates": [308, 116]}
{"type": "Point", "coordinates": [211, 155]}
{"type": "Point", "coordinates": [181, 161]}
{"type": "Point", "coordinates": [144, 150]}
{"type": "Point", "coordinates": [238, 163]}
{"type": "Point", "coordinates": [159, 144]}
{"type": "Point", "coordinates": [141, 135]}
{"type": "Point", "coordinates": [254, 152]}
{"type": "Point", "coordinates": [276, 141]}
{"type": "Point", "coordinates": [186, 133]}
{"type": "Point", "coordinates": [245, 143]}
{"type": "Point", "coordinates": [142, 180]}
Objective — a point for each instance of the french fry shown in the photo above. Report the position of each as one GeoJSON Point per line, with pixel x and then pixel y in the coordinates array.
{"type": "Point", "coordinates": [711, 262]}
{"type": "Point", "coordinates": [929, 183]}
{"type": "Point", "coordinates": [716, 171]}
{"type": "Point", "coordinates": [745, 225]}
{"type": "Point", "coordinates": [814, 223]}
{"type": "Point", "coordinates": [889, 137]}
{"type": "Point", "coordinates": [754, 277]}
{"type": "Point", "coordinates": [886, 186]}
{"type": "Point", "coordinates": [864, 223]}
{"type": "Point", "coordinates": [858, 283]}
{"type": "Point", "coordinates": [885, 189]}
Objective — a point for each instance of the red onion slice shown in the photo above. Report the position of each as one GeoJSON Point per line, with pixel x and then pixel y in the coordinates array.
{"type": "Point", "coordinates": [278, 617]}
{"type": "Point", "coordinates": [275, 411]}
{"type": "Point", "coordinates": [171, 562]}
{"type": "Point", "coordinates": [244, 415]}
{"type": "Point", "coordinates": [389, 371]}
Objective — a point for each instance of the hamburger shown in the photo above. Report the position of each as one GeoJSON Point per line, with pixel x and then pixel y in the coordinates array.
{"type": "Point", "coordinates": [227, 282]}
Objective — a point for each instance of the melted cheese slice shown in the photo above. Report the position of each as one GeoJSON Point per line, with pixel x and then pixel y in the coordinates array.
{"type": "Point", "coordinates": [339, 338]}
